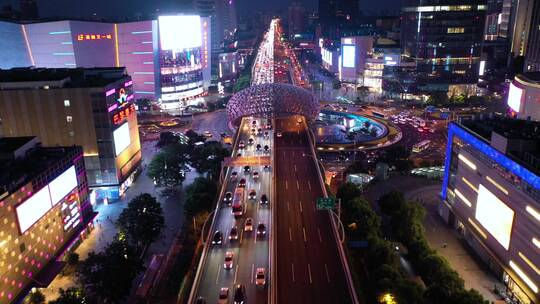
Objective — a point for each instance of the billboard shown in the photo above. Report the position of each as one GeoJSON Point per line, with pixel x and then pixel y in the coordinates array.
{"type": "Point", "coordinates": [31, 210]}
{"type": "Point", "coordinates": [514, 97]}
{"type": "Point", "coordinates": [348, 56]}
{"type": "Point", "coordinates": [495, 216]}
{"type": "Point", "coordinates": [179, 32]}
{"type": "Point", "coordinates": [62, 185]}
{"type": "Point", "coordinates": [121, 138]}
{"type": "Point", "coordinates": [327, 56]}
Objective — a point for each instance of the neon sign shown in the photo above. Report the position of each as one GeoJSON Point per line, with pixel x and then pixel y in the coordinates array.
{"type": "Point", "coordinates": [122, 115]}
{"type": "Point", "coordinates": [83, 37]}
{"type": "Point", "coordinates": [122, 95]}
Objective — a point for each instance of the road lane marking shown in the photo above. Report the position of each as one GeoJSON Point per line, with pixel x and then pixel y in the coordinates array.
{"type": "Point", "coordinates": [286, 185]}
{"type": "Point", "coordinates": [294, 168]}
{"type": "Point", "coordinates": [253, 266]}
{"type": "Point", "coordinates": [297, 185]}
{"type": "Point", "coordinates": [288, 209]}
{"type": "Point", "coordinates": [309, 185]}
{"type": "Point", "coordinates": [290, 235]}
{"type": "Point", "coordinates": [241, 235]}
{"type": "Point", "coordinates": [327, 275]}
{"type": "Point", "coordinates": [217, 277]}
{"type": "Point", "coordinates": [304, 231]}
{"type": "Point", "coordinates": [292, 271]}
{"type": "Point", "coordinates": [255, 238]}
{"type": "Point", "coordinates": [301, 206]}
{"type": "Point", "coordinates": [320, 237]}
{"type": "Point", "coordinates": [309, 273]}
{"type": "Point", "coordinates": [235, 273]}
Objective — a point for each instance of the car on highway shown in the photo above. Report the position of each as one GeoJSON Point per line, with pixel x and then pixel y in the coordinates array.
{"type": "Point", "coordinates": [253, 131]}
{"type": "Point", "coordinates": [207, 134]}
{"type": "Point", "coordinates": [241, 145]}
{"type": "Point", "coordinates": [238, 154]}
{"type": "Point", "coordinates": [264, 199]}
{"type": "Point", "coordinates": [239, 294]}
{"type": "Point", "coordinates": [266, 134]}
{"type": "Point", "coordinates": [218, 238]}
{"type": "Point", "coordinates": [233, 234]}
{"type": "Point", "coordinates": [234, 175]}
{"type": "Point", "coordinates": [227, 198]}
{"type": "Point", "coordinates": [251, 141]}
{"type": "Point", "coordinates": [278, 134]}
{"type": "Point", "coordinates": [201, 300]}
{"type": "Point", "coordinates": [260, 276]}
{"type": "Point", "coordinates": [261, 229]}
{"type": "Point", "coordinates": [255, 175]}
{"type": "Point", "coordinates": [266, 167]}
{"type": "Point", "coordinates": [299, 121]}
{"type": "Point", "coordinates": [242, 183]}
{"type": "Point", "coordinates": [247, 169]}
{"type": "Point", "coordinates": [228, 261]}
{"type": "Point", "coordinates": [268, 126]}
{"type": "Point", "coordinates": [266, 149]}
{"type": "Point", "coordinates": [254, 123]}
{"type": "Point", "coordinates": [248, 225]}
{"type": "Point", "coordinates": [259, 132]}
{"type": "Point", "coordinates": [258, 147]}
{"type": "Point", "coordinates": [252, 194]}
{"type": "Point", "coordinates": [223, 297]}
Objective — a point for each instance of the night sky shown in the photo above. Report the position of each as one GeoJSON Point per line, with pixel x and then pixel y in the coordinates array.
{"type": "Point", "coordinates": [127, 8]}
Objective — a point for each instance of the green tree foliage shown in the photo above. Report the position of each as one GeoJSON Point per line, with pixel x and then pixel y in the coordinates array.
{"type": "Point", "coordinates": [200, 196]}
{"type": "Point", "coordinates": [107, 276]}
{"type": "Point", "coordinates": [72, 259]}
{"type": "Point", "coordinates": [347, 192]}
{"type": "Point", "coordinates": [167, 168]}
{"type": "Point", "coordinates": [438, 98]}
{"type": "Point", "coordinates": [242, 82]}
{"type": "Point", "coordinates": [35, 297]}
{"type": "Point", "coordinates": [72, 295]}
{"type": "Point", "coordinates": [142, 221]}
{"type": "Point", "coordinates": [207, 158]}
{"type": "Point", "coordinates": [193, 138]}
{"type": "Point", "coordinates": [167, 138]}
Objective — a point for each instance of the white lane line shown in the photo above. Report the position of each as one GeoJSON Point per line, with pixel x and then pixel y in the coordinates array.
{"type": "Point", "coordinates": [241, 235]}
{"type": "Point", "coordinates": [320, 237]}
{"type": "Point", "coordinates": [290, 235]}
{"type": "Point", "coordinates": [297, 185]}
{"type": "Point", "coordinates": [301, 206]}
{"type": "Point", "coordinates": [304, 231]}
{"type": "Point", "coordinates": [309, 185]}
{"type": "Point", "coordinates": [253, 267]}
{"type": "Point", "coordinates": [292, 271]}
{"type": "Point", "coordinates": [288, 209]}
{"type": "Point", "coordinates": [235, 273]}
{"type": "Point", "coordinates": [286, 185]}
{"type": "Point", "coordinates": [309, 273]}
{"type": "Point", "coordinates": [327, 275]}
{"type": "Point", "coordinates": [217, 276]}
{"type": "Point", "coordinates": [294, 168]}
{"type": "Point", "coordinates": [255, 238]}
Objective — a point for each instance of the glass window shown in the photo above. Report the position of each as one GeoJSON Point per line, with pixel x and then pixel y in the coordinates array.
{"type": "Point", "coordinates": [69, 118]}
{"type": "Point", "coordinates": [66, 103]}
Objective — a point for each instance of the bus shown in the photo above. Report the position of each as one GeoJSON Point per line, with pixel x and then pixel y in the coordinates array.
{"type": "Point", "coordinates": [238, 202]}
{"type": "Point", "coordinates": [421, 146]}
{"type": "Point", "coordinates": [377, 114]}
{"type": "Point", "coordinates": [149, 278]}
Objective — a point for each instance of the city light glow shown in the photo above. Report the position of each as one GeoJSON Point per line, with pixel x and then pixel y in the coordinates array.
{"type": "Point", "coordinates": [495, 216]}
{"type": "Point", "coordinates": [121, 138]}
{"type": "Point", "coordinates": [180, 32]}
{"type": "Point", "coordinates": [348, 56]}
{"type": "Point", "coordinates": [514, 97]}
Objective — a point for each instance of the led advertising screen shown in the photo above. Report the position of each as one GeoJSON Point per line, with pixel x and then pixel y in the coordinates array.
{"type": "Point", "coordinates": [179, 32]}
{"type": "Point", "coordinates": [31, 210]}
{"type": "Point", "coordinates": [121, 138]}
{"type": "Point", "coordinates": [348, 56]}
{"type": "Point", "coordinates": [62, 185]}
{"type": "Point", "coordinates": [495, 216]}
{"type": "Point", "coordinates": [514, 97]}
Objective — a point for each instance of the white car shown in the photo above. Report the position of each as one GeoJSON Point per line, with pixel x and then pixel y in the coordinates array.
{"type": "Point", "coordinates": [278, 134]}
{"type": "Point", "coordinates": [228, 262]}
{"type": "Point", "coordinates": [248, 225]}
{"type": "Point", "coordinates": [223, 295]}
{"type": "Point", "coordinates": [260, 277]}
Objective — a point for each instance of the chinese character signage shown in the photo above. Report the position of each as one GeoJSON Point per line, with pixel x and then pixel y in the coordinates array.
{"type": "Point", "coordinates": [84, 37]}
{"type": "Point", "coordinates": [120, 116]}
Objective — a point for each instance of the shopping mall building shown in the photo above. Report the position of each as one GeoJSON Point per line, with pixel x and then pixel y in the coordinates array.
{"type": "Point", "coordinates": [491, 196]}
{"type": "Point", "coordinates": [168, 58]}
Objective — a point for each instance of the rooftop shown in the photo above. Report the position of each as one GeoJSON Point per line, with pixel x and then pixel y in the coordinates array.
{"type": "Point", "coordinates": [531, 77]}
{"type": "Point", "coordinates": [73, 78]}
{"type": "Point", "coordinates": [15, 172]}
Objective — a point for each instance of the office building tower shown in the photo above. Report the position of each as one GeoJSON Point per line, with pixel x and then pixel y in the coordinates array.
{"type": "Point", "coordinates": [524, 96]}
{"type": "Point", "coordinates": [44, 212]}
{"type": "Point", "coordinates": [532, 52]}
{"type": "Point", "coordinates": [297, 19]}
{"type": "Point", "coordinates": [92, 108]}
{"type": "Point", "coordinates": [29, 9]}
{"type": "Point", "coordinates": [444, 39]}
{"type": "Point", "coordinates": [491, 196]}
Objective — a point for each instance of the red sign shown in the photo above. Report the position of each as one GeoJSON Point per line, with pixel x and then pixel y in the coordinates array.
{"type": "Point", "coordinates": [83, 37]}
{"type": "Point", "coordinates": [123, 114]}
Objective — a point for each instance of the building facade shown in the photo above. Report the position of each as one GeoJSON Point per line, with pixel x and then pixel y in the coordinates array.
{"type": "Point", "coordinates": [532, 53]}
{"type": "Point", "coordinates": [444, 39]}
{"type": "Point", "coordinates": [44, 211]}
{"type": "Point", "coordinates": [491, 196]}
{"type": "Point", "coordinates": [353, 57]}
{"type": "Point", "coordinates": [524, 96]}
{"type": "Point", "coordinates": [92, 108]}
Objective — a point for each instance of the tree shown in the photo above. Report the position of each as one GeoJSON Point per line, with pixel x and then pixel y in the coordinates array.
{"type": "Point", "coordinates": [193, 138]}
{"type": "Point", "coordinates": [142, 221]}
{"type": "Point", "coordinates": [72, 295]}
{"type": "Point", "coordinates": [168, 167]}
{"type": "Point", "coordinates": [438, 97]}
{"type": "Point", "coordinates": [35, 297]}
{"type": "Point", "coordinates": [72, 258]}
{"type": "Point", "coordinates": [166, 138]}
{"type": "Point", "coordinates": [207, 158]}
{"type": "Point", "coordinates": [347, 192]}
{"type": "Point", "coordinates": [108, 275]}
{"type": "Point", "coordinates": [391, 202]}
{"type": "Point", "coordinates": [200, 196]}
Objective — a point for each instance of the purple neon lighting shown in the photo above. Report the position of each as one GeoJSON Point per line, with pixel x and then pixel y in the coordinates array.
{"type": "Point", "coordinates": [110, 92]}
{"type": "Point", "coordinates": [130, 97]}
{"type": "Point", "coordinates": [127, 84]}
{"type": "Point", "coordinates": [113, 107]}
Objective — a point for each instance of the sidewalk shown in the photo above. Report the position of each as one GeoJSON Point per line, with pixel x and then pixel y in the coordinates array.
{"type": "Point", "coordinates": [107, 214]}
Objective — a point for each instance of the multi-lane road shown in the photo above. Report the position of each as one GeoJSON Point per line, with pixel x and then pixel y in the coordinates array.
{"type": "Point", "coordinates": [250, 251]}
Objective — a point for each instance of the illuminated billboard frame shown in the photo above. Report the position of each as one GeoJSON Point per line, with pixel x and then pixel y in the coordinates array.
{"type": "Point", "coordinates": [121, 138]}
{"type": "Point", "coordinates": [514, 97]}
{"type": "Point", "coordinates": [180, 32]}
{"type": "Point", "coordinates": [495, 216]}
{"type": "Point", "coordinates": [348, 56]}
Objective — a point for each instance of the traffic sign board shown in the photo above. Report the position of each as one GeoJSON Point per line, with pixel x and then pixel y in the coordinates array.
{"type": "Point", "coordinates": [325, 203]}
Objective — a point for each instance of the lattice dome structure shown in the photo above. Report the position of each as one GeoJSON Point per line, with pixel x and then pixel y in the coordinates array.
{"type": "Point", "coordinates": [272, 100]}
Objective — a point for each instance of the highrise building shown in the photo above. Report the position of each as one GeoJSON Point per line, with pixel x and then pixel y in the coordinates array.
{"type": "Point", "coordinates": [532, 53]}
{"type": "Point", "coordinates": [44, 212]}
{"type": "Point", "coordinates": [92, 108]}
{"type": "Point", "coordinates": [334, 15]}
{"type": "Point", "coordinates": [444, 39]}
{"type": "Point", "coordinates": [29, 9]}
{"type": "Point", "coordinates": [491, 196]}
{"type": "Point", "coordinates": [297, 19]}
{"type": "Point", "coordinates": [520, 24]}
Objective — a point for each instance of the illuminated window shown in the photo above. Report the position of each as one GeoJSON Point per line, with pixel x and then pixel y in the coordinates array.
{"type": "Point", "coordinates": [463, 198]}
{"type": "Point", "coordinates": [456, 30]}
{"type": "Point", "coordinates": [69, 118]}
{"type": "Point", "coordinates": [503, 190]}
{"type": "Point", "coordinates": [466, 181]}
{"type": "Point", "coordinates": [66, 103]}
{"type": "Point", "coordinates": [533, 212]}
{"type": "Point", "coordinates": [531, 264]}
{"type": "Point", "coordinates": [467, 161]}
{"type": "Point", "coordinates": [536, 242]}
{"type": "Point", "coordinates": [523, 276]}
